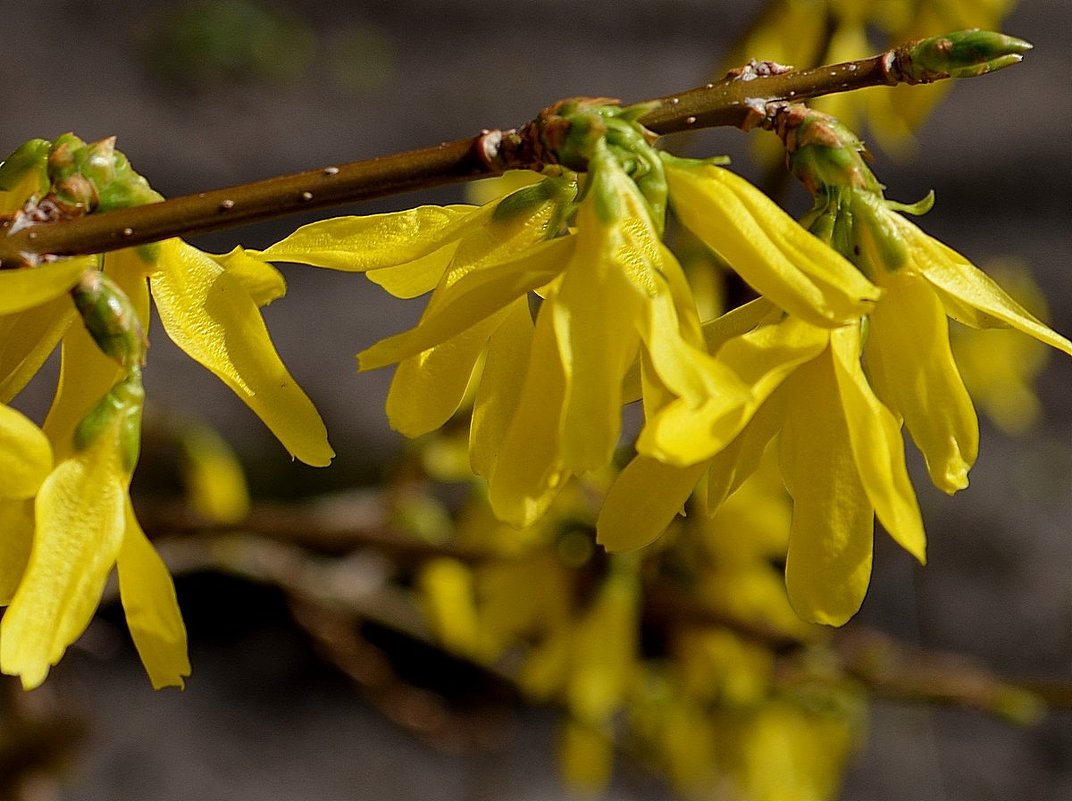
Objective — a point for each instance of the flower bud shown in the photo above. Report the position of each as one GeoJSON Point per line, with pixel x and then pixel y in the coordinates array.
{"type": "Point", "coordinates": [963, 54]}
{"type": "Point", "coordinates": [110, 318]}
{"type": "Point", "coordinates": [117, 414]}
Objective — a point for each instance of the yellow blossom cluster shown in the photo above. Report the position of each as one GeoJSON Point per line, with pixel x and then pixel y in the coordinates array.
{"type": "Point", "coordinates": [68, 512]}
{"type": "Point", "coordinates": [560, 302]}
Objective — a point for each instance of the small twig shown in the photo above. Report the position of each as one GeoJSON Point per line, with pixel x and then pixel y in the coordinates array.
{"type": "Point", "coordinates": [737, 100]}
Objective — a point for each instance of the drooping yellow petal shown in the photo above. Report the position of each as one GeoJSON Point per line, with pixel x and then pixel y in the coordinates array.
{"type": "Point", "coordinates": [594, 317]}
{"type": "Point", "coordinates": [759, 361]}
{"type": "Point", "coordinates": [30, 286]}
{"type": "Point", "coordinates": [735, 463]}
{"type": "Point", "coordinates": [769, 249]}
{"type": "Point", "coordinates": [78, 532]}
{"type": "Point", "coordinates": [501, 382]}
{"type": "Point", "coordinates": [357, 244]}
{"type": "Point", "coordinates": [428, 388]}
{"type": "Point", "coordinates": [151, 608]}
{"type": "Point", "coordinates": [474, 297]}
{"type": "Point", "coordinates": [25, 455]}
{"type": "Point", "coordinates": [670, 330]}
{"type": "Point", "coordinates": [413, 278]}
{"type": "Point", "coordinates": [27, 338]}
{"type": "Point", "coordinates": [215, 482]}
{"type": "Point", "coordinates": [913, 371]}
{"type": "Point", "coordinates": [875, 439]}
{"type": "Point", "coordinates": [16, 538]}
{"type": "Point", "coordinates": [969, 295]}
{"type": "Point", "coordinates": [528, 472]}
{"type": "Point", "coordinates": [642, 501]}
{"type": "Point", "coordinates": [261, 280]}
{"type": "Point", "coordinates": [208, 313]}
{"type": "Point", "coordinates": [605, 648]}
{"type": "Point", "coordinates": [828, 565]}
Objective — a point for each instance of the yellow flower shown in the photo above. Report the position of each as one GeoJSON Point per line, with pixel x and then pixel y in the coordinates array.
{"type": "Point", "coordinates": [842, 459]}
{"type": "Point", "coordinates": [765, 246]}
{"type": "Point", "coordinates": [67, 532]}
{"type": "Point", "coordinates": [84, 525]}
{"type": "Point", "coordinates": [909, 358]}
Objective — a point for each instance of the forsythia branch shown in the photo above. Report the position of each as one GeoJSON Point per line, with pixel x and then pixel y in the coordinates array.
{"type": "Point", "coordinates": [740, 99]}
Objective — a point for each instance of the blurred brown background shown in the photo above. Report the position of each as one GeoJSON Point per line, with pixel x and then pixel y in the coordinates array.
{"type": "Point", "coordinates": [203, 95]}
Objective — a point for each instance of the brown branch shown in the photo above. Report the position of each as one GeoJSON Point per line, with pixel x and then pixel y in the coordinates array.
{"type": "Point", "coordinates": [737, 100]}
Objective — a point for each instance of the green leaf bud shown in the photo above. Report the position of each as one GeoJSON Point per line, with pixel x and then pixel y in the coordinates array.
{"type": "Point", "coordinates": [962, 54]}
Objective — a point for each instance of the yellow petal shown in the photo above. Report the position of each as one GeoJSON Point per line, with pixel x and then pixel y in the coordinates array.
{"type": "Point", "coordinates": [447, 597]}
{"type": "Point", "coordinates": [213, 475]}
{"type": "Point", "coordinates": [356, 244]}
{"type": "Point", "coordinates": [413, 278]}
{"type": "Point", "coordinates": [79, 529]}
{"type": "Point", "coordinates": [474, 297]}
{"type": "Point", "coordinates": [732, 465]}
{"type": "Point", "coordinates": [208, 313]}
{"type": "Point", "coordinates": [499, 393]}
{"type": "Point", "coordinates": [759, 361]}
{"type": "Point", "coordinates": [262, 281]}
{"type": "Point", "coordinates": [428, 388]}
{"type": "Point", "coordinates": [875, 438]}
{"type": "Point", "coordinates": [913, 371]}
{"type": "Point", "coordinates": [151, 608]}
{"type": "Point", "coordinates": [594, 316]}
{"type": "Point", "coordinates": [605, 649]}
{"type": "Point", "coordinates": [969, 295]}
{"type": "Point", "coordinates": [25, 455]}
{"type": "Point", "coordinates": [17, 525]}
{"type": "Point", "coordinates": [27, 339]}
{"type": "Point", "coordinates": [30, 286]}
{"type": "Point", "coordinates": [828, 565]}
{"type": "Point", "coordinates": [528, 471]}
{"type": "Point", "coordinates": [645, 497]}
{"type": "Point", "coordinates": [770, 250]}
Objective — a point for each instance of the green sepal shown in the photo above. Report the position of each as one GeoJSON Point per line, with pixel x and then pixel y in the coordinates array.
{"type": "Point", "coordinates": [919, 208]}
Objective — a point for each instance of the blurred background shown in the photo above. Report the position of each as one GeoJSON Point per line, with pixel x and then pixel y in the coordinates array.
{"type": "Point", "coordinates": [208, 94]}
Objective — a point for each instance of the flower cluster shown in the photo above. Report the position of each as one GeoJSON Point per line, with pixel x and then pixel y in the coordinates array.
{"type": "Point", "coordinates": [70, 519]}
{"type": "Point", "coordinates": [574, 301]}
{"type": "Point", "coordinates": [835, 399]}
{"type": "Point", "coordinates": [560, 302]}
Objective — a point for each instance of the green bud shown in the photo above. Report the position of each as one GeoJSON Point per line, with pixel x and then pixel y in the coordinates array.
{"type": "Point", "coordinates": [28, 158]}
{"type": "Point", "coordinates": [822, 152]}
{"type": "Point", "coordinates": [963, 54]}
{"type": "Point", "coordinates": [110, 318]}
{"type": "Point", "coordinates": [95, 176]}
{"type": "Point", "coordinates": [119, 412]}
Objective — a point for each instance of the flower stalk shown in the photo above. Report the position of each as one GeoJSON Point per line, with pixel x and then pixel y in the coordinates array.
{"type": "Point", "coordinates": [740, 99]}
